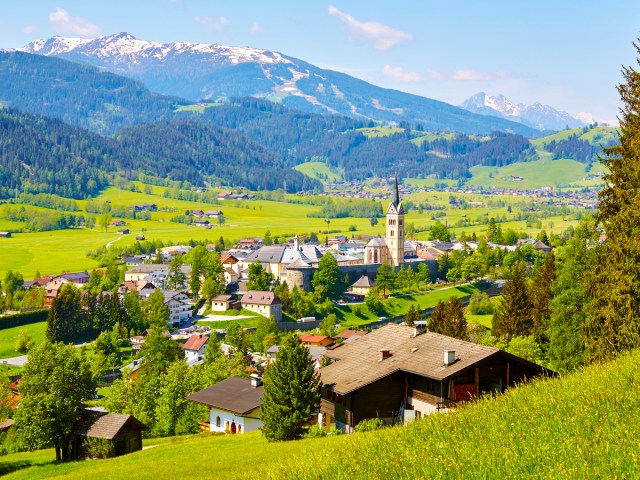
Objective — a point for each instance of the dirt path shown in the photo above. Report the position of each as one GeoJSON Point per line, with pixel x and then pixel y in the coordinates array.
{"type": "Point", "coordinates": [115, 240]}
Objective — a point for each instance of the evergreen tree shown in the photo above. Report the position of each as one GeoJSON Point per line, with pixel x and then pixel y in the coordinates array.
{"type": "Point", "coordinates": [385, 278]}
{"type": "Point", "coordinates": [198, 255]}
{"type": "Point", "coordinates": [176, 279]}
{"type": "Point", "coordinates": [613, 324]}
{"type": "Point", "coordinates": [541, 293]}
{"type": "Point", "coordinates": [448, 319]}
{"type": "Point", "coordinates": [328, 325]}
{"type": "Point", "coordinates": [66, 316]}
{"type": "Point", "coordinates": [514, 316]}
{"type": "Point", "coordinates": [327, 281]}
{"type": "Point", "coordinates": [156, 311]}
{"type": "Point", "coordinates": [412, 315]}
{"type": "Point", "coordinates": [569, 306]}
{"type": "Point", "coordinates": [291, 392]}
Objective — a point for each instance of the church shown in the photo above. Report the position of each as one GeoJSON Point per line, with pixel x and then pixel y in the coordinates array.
{"type": "Point", "coordinates": [389, 249]}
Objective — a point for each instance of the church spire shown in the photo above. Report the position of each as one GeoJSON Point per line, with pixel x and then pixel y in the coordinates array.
{"type": "Point", "coordinates": [396, 195]}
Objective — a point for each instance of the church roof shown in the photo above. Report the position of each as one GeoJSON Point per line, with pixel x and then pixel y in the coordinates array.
{"type": "Point", "coordinates": [298, 263]}
{"type": "Point", "coordinates": [377, 242]}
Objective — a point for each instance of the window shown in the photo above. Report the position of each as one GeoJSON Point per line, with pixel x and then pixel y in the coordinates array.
{"type": "Point", "coordinates": [391, 233]}
{"type": "Point", "coordinates": [218, 422]}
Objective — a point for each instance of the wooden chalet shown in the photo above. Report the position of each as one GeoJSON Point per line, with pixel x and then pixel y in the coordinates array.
{"type": "Point", "coordinates": [398, 374]}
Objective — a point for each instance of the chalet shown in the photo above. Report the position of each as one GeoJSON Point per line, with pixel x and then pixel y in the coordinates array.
{"type": "Point", "coordinates": [52, 290]}
{"type": "Point", "coordinates": [234, 404]}
{"type": "Point", "coordinates": [197, 213]}
{"type": "Point", "coordinates": [5, 234]}
{"type": "Point", "coordinates": [397, 374]}
{"type": "Point", "coordinates": [201, 223]}
{"type": "Point", "coordinates": [194, 348]}
{"type": "Point", "coordinates": [123, 231]}
{"type": "Point", "coordinates": [224, 196]}
{"type": "Point", "coordinates": [77, 278]}
{"type": "Point", "coordinates": [146, 207]}
{"type": "Point", "coordinates": [136, 342]}
{"type": "Point", "coordinates": [123, 432]}
{"type": "Point", "coordinates": [265, 303]}
{"type": "Point", "coordinates": [135, 286]}
{"type": "Point", "coordinates": [230, 275]}
{"type": "Point", "coordinates": [134, 261]}
{"type": "Point", "coordinates": [213, 213]}
{"type": "Point", "coordinates": [118, 223]}
{"type": "Point", "coordinates": [222, 303]}
{"type": "Point", "coordinates": [155, 273]}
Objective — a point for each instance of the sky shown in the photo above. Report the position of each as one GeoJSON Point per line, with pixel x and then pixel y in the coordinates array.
{"type": "Point", "coordinates": [567, 54]}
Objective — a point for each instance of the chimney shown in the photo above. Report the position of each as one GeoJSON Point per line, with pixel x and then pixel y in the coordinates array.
{"type": "Point", "coordinates": [449, 357]}
{"type": "Point", "coordinates": [418, 330]}
{"type": "Point", "coordinates": [384, 353]}
{"type": "Point", "coordinates": [296, 244]}
{"type": "Point", "coordinates": [256, 380]}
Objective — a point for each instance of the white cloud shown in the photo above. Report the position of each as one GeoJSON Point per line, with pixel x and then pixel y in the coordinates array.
{"type": "Point", "coordinates": [29, 28]}
{"type": "Point", "coordinates": [401, 75]}
{"type": "Point", "coordinates": [588, 117]}
{"type": "Point", "coordinates": [471, 76]}
{"type": "Point", "coordinates": [383, 37]}
{"type": "Point", "coordinates": [213, 24]}
{"type": "Point", "coordinates": [256, 29]}
{"type": "Point", "coordinates": [436, 75]}
{"type": "Point", "coordinates": [61, 22]}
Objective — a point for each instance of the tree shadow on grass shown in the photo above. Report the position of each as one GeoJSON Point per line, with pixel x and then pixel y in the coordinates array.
{"type": "Point", "coordinates": [9, 467]}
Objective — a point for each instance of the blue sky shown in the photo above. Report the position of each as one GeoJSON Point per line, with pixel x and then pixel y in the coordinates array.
{"type": "Point", "coordinates": [566, 54]}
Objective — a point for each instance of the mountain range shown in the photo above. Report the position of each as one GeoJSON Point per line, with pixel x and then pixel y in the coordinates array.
{"type": "Point", "coordinates": [213, 72]}
{"type": "Point", "coordinates": [536, 115]}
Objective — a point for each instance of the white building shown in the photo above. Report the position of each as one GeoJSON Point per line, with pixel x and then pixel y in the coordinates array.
{"type": "Point", "coordinates": [179, 307]}
{"type": "Point", "coordinates": [234, 404]}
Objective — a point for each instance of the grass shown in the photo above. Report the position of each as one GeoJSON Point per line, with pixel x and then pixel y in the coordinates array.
{"type": "Point", "coordinates": [319, 171]}
{"type": "Point", "coordinates": [197, 108]}
{"type": "Point", "coordinates": [582, 425]}
{"type": "Point", "coordinates": [357, 315]}
{"type": "Point", "coordinates": [9, 336]}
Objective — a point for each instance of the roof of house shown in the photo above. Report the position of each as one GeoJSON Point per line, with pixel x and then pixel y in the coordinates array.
{"type": "Point", "coordinates": [228, 258]}
{"type": "Point", "coordinates": [351, 333]}
{"type": "Point", "coordinates": [364, 282]}
{"type": "Point", "coordinates": [6, 424]}
{"type": "Point", "coordinates": [358, 363]}
{"type": "Point", "coordinates": [222, 298]}
{"type": "Point", "coordinates": [195, 342]}
{"type": "Point", "coordinates": [267, 254]}
{"type": "Point", "coordinates": [307, 338]}
{"type": "Point", "coordinates": [235, 394]}
{"type": "Point", "coordinates": [257, 297]}
{"type": "Point", "coordinates": [104, 425]}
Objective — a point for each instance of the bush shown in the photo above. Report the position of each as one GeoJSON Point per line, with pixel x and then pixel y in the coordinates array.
{"type": "Point", "coordinates": [25, 318]}
{"type": "Point", "coordinates": [480, 304]}
{"type": "Point", "coordinates": [98, 448]}
{"type": "Point", "coordinates": [24, 342]}
{"type": "Point", "coordinates": [369, 425]}
{"type": "Point", "coordinates": [318, 430]}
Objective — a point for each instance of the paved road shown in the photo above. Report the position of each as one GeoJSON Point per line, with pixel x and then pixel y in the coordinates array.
{"type": "Point", "coordinates": [22, 359]}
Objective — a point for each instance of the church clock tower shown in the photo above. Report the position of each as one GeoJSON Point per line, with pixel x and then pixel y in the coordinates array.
{"type": "Point", "coordinates": [395, 228]}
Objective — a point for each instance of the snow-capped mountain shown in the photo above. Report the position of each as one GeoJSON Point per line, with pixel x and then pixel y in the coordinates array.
{"type": "Point", "coordinates": [536, 115]}
{"type": "Point", "coordinates": [210, 72]}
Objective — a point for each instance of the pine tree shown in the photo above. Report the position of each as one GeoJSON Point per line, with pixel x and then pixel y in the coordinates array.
{"type": "Point", "coordinates": [385, 278]}
{"type": "Point", "coordinates": [448, 319]}
{"type": "Point", "coordinates": [569, 307]}
{"type": "Point", "coordinates": [412, 315]}
{"type": "Point", "coordinates": [614, 285]}
{"type": "Point", "coordinates": [541, 296]}
{"type": "Point", "coordinates": [514, 316]}
{"type": "Point", "coordinates": [291, 392]}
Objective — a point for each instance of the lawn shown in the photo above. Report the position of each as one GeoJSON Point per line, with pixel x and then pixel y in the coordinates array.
{"type": "Point", "coordinates": [319, 171]}
{"type": "Point", "coordinates": [9, 336]}
{"type": "Point", "coordinates": [581, 425]}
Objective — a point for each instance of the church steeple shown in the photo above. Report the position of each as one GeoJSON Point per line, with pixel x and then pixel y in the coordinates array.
{"type": "Point", "coordinates": [395, 228]}
{"type": "Point", "coordinates": [396, 195]}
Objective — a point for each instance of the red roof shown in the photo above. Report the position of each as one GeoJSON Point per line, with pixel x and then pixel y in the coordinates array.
{"type": "Point", "coordinates": [351, 333]}
{"type": "Point", "coordinates": [306, 338]}
{"type": "Point", "coordinates": [195, 342]}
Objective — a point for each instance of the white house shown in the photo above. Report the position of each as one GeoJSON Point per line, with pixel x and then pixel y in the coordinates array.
{"type": "Point", "coordinates": [179, 307]}
{"type": "Point", "coordinates": [154, 273]}
{"type": "Point", "coordinates": [234, 404]}
{"type": "Point", "coordinates": [265, 303]}
{"type": "Point", "coordinates": [194, 348]}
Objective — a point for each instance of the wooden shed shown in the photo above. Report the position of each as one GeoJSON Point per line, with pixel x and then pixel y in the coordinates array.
{"type": "Point", "coordinates": [102, 434]}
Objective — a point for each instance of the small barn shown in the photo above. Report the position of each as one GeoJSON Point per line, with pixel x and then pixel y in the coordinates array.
{"type": "Point", "coordinates": [102, 434]}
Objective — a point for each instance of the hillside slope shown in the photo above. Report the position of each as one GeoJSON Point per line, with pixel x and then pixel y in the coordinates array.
{"type": "Point", "coordinates": [201, 71]}
{"type": "Point", "coordinates": [78, 94]}
{"type": "Point", "coordinates": [583, 425]}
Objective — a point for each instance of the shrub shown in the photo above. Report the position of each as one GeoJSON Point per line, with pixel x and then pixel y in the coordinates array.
{"type": "Point", "coordinates": [98, 448]}
{"type": "Point", "coordinates": [24, 342]}
{"type": "Point", "coordinates": [480, 304]}
{"type": "Point", "coordinates": [369, 425]}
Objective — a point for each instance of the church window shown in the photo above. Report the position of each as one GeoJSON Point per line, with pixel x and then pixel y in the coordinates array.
{"type": "Point", "coordinates": [400, 222]}
{"type": "Point", "coordinates": [391, 233]}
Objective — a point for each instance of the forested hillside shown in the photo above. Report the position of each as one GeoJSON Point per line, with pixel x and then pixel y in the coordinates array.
{"type": "Point", "coordinates": [39, 154]}
{"type": "Point", "coordinates": [78, 94]}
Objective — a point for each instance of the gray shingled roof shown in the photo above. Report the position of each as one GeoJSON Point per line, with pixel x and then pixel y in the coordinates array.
{"type": "Point", "coordinates": [358, 363]}
{"type": "Point", "coordinates": [104, 425]}
{"type": "Point", "coordinates": [365, 282]}
{"type": "Point", "coordinates": [377, 242]}
{"type": "Point", "coordinates": [268, 254]}
{"type": "Point", "coordinates": [235, 394]}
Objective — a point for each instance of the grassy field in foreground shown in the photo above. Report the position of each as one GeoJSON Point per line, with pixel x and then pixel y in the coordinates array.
{"type": "Point", "coordinates": [9, 336]}
{"type": "Point", "coordinates": [582, 425]}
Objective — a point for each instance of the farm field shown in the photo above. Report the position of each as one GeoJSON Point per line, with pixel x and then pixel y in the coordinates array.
{"type": "Point", "coordinates": [65, 250]}
{"type": "Point", "coordinates": [539, 430]}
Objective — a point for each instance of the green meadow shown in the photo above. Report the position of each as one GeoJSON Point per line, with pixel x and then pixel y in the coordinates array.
{"type": "Point", "coordinates": [9, 336]}
{"type": "Point", "coordinates": [319, 171]}
{"type": "Point", "coordinates": [581, 425]}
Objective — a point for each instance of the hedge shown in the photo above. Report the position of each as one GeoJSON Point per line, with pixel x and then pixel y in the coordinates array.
{"type": "Point", "coordinates": [23, 318]}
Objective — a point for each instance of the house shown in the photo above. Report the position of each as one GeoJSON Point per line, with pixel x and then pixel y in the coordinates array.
{"type": "Point", "coordinates": [362, 286]}
{"type": "Point", "coordinates": [234, 404]}
{"type": "Point", "coordinates": [140, 237]}
{"type": "Point", "coordinates": [77, 278]}
{"type": "Point", "coordinates": [397, 374]}
{"type": "Point", "coordinates": [118, 223]}
{"type": "Point", "coordinates": [136, 342]}
{"type": "Point", "coordinates": [224, 196]}
{"type": "Point", "coordinates": [265, 303]}
{"type": "Point", "coordinates": [194, 348]}
{"type": "Point", "coordinates": [349, 336]}
{"type": "Point", "coordinates": [135, 286]}
{"type": "Point", "coordinates": [179, 307]}
{"type": "Point", "coordinates": [316, 340]}
{"type": "Point", "coordinates": [230, 275]}
{"type": "Point", "coordinates": [123, 432]}
{"type": "Point", "coordinates": [222, 303]}
{"type": "Point", "coordinates": [201, 223]}
{"type": "Point", "coordinates": [52, 289]}
{"type": "Point", "coordinates": [197, 213]}
{"type": "Point", "coordinates": [213, 213]}
{"type": "Point", "coordinates": [146, 207]}
{"type": "Point", "coordinates": [123, 231]}
{"type": "Point", "coordinates": [5, 234]}
{"type": "Point", "coordinates": [154, 273]}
